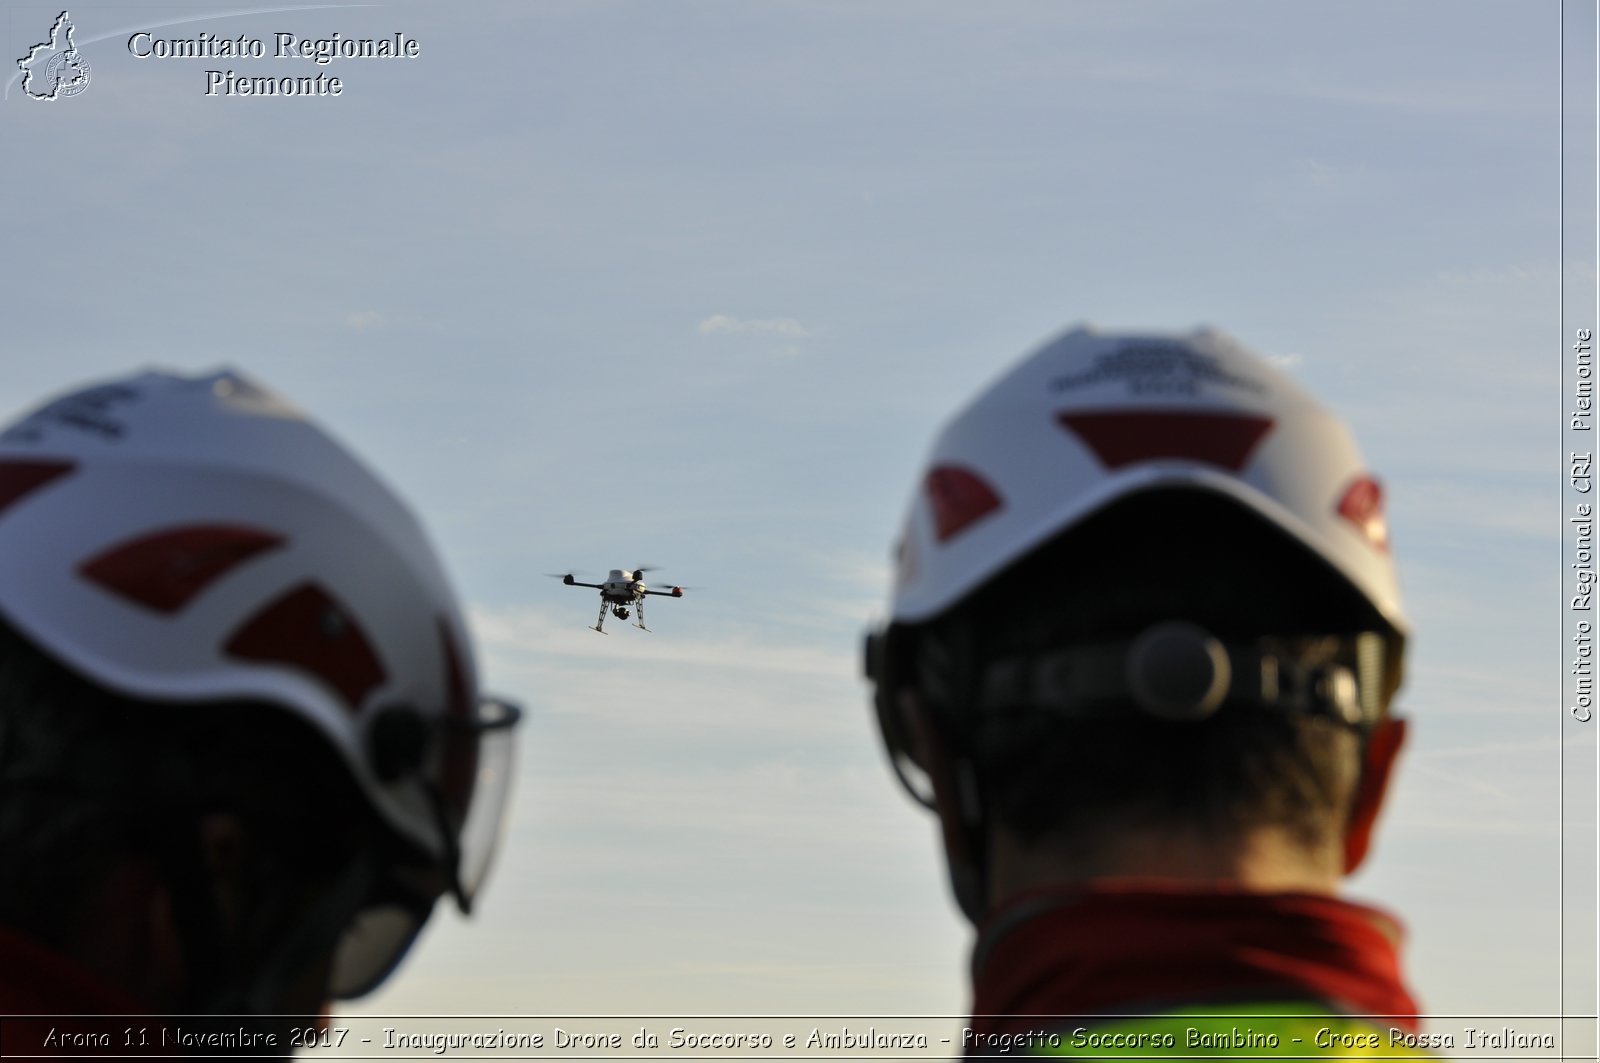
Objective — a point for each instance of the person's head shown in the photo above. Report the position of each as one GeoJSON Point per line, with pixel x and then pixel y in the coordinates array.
{"type": "Point", "coordinates": [1144, 625]}
{"type": "Point", "coordinates": [242, 749]}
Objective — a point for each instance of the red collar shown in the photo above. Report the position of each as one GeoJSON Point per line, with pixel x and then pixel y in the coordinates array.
{"type": "Point", "coordinates": [1102, 950]}
{"type": "Point", "coordinates": [37, 980]}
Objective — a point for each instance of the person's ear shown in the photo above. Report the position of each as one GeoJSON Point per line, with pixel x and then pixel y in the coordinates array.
{"type": "Point", "coordinates": [1378, 760]}
{"type": "Point", "coordinates": [222, 844]}
{"type": "Point", "coordinates": [166, 969]}
{"type": "Point", "coordinates": [125, 932]}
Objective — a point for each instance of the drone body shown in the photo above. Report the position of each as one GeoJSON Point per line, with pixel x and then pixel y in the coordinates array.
{"type": "Point", "coordinates": [624, 590]}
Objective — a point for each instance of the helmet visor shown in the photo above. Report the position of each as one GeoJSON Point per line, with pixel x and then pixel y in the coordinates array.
{"type": "Point", "coordinates": [373, 944]}
{"type": "Point", "coordinates": [479, 763]}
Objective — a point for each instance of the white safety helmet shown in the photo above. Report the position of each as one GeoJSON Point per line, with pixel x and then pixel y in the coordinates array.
{"type": "Point", "coordinates": [1092, 418]}
{"type": "Point", "coordinates": [196, 539]}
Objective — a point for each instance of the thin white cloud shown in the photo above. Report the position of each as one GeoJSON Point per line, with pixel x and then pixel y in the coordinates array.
{"type": "Point", "coordinates": [671, 680]}
{"type": "Point", "coordinates": [781, 326]}
{"type": "Point", "coordinates": [566, 637]}
{"type": "Point", "coordinates": [361, 320]}
{"type": "Point", "coordinates": [1285, 361]}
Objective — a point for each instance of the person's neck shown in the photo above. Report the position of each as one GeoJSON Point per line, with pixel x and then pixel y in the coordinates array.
{"type": "Point", "coordinates": [1265, 861]}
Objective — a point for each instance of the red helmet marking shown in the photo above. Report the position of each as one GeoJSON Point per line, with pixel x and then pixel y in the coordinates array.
{"type": "Point", "coordinates": [165, 570]}
{"type": "Point", "coordinates": [458, 758]}
{"type": "Point", "coordinates": [18, 478]}
{"type": "Point", "coordinates": [307, 629]}
{"type": "Point", "coordinates": [1362, 505]}
{"type": "Point", "coordinates": [959, 497]}
{"type": "Point", "coordinates": [1128, 436]}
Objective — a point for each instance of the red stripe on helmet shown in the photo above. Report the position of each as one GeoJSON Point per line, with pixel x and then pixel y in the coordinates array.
{"type": "Point", "coordinates": [1362, 505]}
{"type": "Point", "coordinates": [959, 497]}
{"type": "Point", "coordinates": [308, 630]}
{"type": "Point", "coordinates": [165, 570]}
{"type": "Point", "coordinates": [19, 478]}
{"type": "Point", "coordinates": [1129, 436]}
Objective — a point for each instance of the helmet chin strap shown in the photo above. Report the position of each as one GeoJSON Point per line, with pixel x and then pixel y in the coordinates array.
{"type": "Point", "coordinates": [969, 877]}
{"type": "Point", "coordinates": [946, 674]}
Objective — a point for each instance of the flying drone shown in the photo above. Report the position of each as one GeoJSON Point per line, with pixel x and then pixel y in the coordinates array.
{"type": "Point", "coordinates": [621, 590]}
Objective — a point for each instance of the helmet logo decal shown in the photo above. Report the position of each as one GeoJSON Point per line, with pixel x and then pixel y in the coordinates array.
{"type": "Point", "coordinates": [1362, 505]}
{"type": "Point", "coordinates": [1125, 437]}
{"type": "Point", "coordinates": [18, 478]}
{"type": "Point", "coordinates": [959, 497]}
{"type": "Point", "coordinates": [1156, 367]}
{"type": "Point", "coordinates": [92, 411]}
{"type": "Point", "coordinates": [164, 571]}
{"type": "Point", "coordinates": [308, 630]}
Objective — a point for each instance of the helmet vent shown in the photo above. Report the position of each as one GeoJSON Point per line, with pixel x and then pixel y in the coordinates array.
{"type": "Point", "coordinates": [308, 630]}
{"type": "Point", "coordinates": [165, 570]}
{"type": "Point", "coordinates": [19, 478]}
{"type": "Point", "coordinates": [959, 497]}
{"type": "Point", "coordinates": [1362, 505]}
{"type": "Point", "coordinates": [1125, 437]}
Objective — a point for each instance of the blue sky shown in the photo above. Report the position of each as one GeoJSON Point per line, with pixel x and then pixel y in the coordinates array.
{"type": "Point", "coordinates": [693, 283]}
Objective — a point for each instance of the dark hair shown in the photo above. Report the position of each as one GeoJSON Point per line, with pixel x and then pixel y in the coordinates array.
{"type": "Point", "coordinates": [90, 778]}
{"type": "Point", "coordinates": [1155, 556]}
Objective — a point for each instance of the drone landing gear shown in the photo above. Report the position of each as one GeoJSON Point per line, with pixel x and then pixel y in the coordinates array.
{"type": "Point", "coordinates": [621, 612]}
